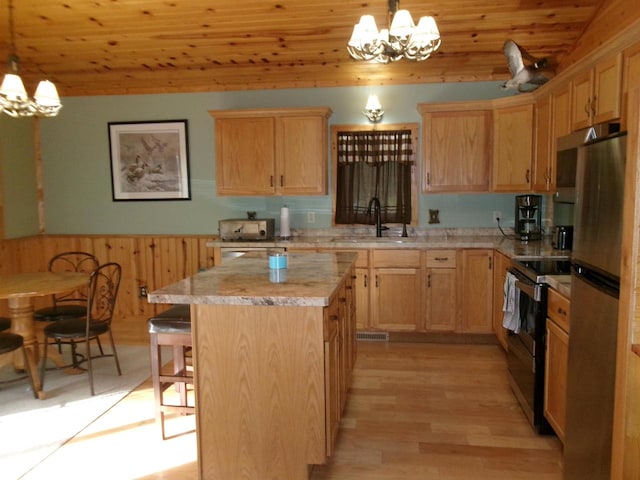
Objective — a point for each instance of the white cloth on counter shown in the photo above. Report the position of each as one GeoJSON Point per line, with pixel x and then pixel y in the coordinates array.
{"type": "Point", "coordinates": [511, 305]}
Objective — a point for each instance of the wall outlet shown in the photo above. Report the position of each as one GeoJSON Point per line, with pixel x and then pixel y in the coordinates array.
{"type": "Point", "coordinates": [143, 291]}
{"type": "Point", "coordinates": [311, 217]}
{"type": "Point", "coordinates": [497, 216]}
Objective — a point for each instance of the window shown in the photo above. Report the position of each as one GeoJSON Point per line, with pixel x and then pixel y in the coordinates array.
{"type": "Point", "coordinates": [371, 163]}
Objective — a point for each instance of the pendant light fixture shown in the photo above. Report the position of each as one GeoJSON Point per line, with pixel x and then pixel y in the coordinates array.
{"type": "Point", "coordinates": [373, 110]}
{"type": "Point", "coordinates": [403, 39]}
{"type": "Point", "coordinates": [14, 100]}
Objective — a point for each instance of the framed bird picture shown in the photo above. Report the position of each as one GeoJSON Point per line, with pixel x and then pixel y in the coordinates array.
{"type": "Point", "coordinates": [149, 160]}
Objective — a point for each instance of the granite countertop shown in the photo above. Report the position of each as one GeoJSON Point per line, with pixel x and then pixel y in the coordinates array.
{"type": "Point", "coordinates": [505, 244]}
{"type": "Point", "coordinates": [445, 238]}
{"type": "Point", "coordinates": [310, 279]}
{"type": "Point", "coordinates": [561, 283]}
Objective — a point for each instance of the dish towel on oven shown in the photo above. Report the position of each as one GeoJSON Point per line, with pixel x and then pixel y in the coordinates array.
{"type": "Point", "coordinates": [511, 305]}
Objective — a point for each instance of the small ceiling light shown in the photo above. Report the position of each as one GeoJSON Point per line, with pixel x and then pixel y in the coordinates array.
{"type": "Point", "coordinates": [373, 111]}
{"type": "Point", "coordinates": [403, 39]}
{"type": "Point", "coordinates": [14, 100]}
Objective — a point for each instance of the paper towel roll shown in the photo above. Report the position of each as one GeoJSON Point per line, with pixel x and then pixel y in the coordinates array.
{"type": "Point", "coordinates": [285, 231]}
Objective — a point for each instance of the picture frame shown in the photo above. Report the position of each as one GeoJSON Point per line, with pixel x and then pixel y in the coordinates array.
{"type": "Point", "coordinates": [149, 160]}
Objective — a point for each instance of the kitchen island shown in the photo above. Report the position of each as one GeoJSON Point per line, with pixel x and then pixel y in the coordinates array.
{"type": "Point", "coordinates": [273, 352]}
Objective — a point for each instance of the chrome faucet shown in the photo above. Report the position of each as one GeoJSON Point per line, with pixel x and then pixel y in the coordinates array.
{"type": "Point", "coordinates": [378, 214]}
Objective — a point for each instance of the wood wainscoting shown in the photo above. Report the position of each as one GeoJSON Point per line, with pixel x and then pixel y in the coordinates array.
{"type": "Point", "coordinates": [150, 261]}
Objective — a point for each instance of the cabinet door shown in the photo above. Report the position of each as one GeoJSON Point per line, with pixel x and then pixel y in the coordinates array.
{"type": "Point", "coordinates": [501, 264]}
{"type": "Point", "coordinates": [441, 299]}
{"type": "Point", "coordinates": [512, 148]}
{"type": "Point", "coordinates": [396, 299]}
{"type": "Point", "coordinates": [607, 85]}
{"type": "Point", "coordinates": [456, 151]}
{"type": "Point", "coordinates": [362, 282]}
{"type": "Point", "coordinates": [543, 171]}
{"type": "Point", "coordinates": [245, 156]}
{"type": "Point", "coordinates": [561, 117]}
{"type": "Point", "coordinates": [581, 110]}
{"type": "Point", "coordinates": [332, 381]}
{"type": "Point", "coordinates": [302, 155]}
{"type": "Point", "coordinates": [555, 391]}
{"type": "Point", "coordinates": [630, 78]}
{"type": "Point", "coordinates": [477, 291]}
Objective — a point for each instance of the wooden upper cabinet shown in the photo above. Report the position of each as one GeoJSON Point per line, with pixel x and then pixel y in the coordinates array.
{"type": "Point", "coordinates": [456, 146]}
{"type": "Point", "coordinates": [543, 164]}
{"type": "Point", "coordinates": [245, 156]}
{"type": "Point", "coordinates": [561, 116]}
{"type": "Point", "coordinates": [271, 151]}
{"type": "Point", "coordinates": [301, 161]}
{"type": "Point", "coordinates": [630, 78]}
{"type": "Point", "coordinates": [596, 93]}
{"type": "Point", "coordinates": [512, 148]}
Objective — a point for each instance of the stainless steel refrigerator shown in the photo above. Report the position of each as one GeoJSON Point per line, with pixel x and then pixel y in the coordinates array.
{"type": "Point", "coordinates": [594, 308]}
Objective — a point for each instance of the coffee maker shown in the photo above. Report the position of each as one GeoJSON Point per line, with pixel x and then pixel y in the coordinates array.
{"type": "Point", "coordinates": [528, 217]}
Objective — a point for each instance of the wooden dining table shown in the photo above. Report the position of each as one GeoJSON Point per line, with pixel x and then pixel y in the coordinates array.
{"type": "Point", "coordinates": [20, 289]}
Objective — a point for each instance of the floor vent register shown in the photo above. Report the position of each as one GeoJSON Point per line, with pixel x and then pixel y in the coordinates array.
{"type": "Point", "coordinates": [372, 336]}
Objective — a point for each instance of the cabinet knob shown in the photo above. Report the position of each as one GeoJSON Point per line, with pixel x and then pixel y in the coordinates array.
{"type": "Point", "coordinates": [282, 180]}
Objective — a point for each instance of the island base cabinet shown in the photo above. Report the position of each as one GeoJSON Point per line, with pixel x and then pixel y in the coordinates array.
{"type": "Point", "coordinates": [260, 387]}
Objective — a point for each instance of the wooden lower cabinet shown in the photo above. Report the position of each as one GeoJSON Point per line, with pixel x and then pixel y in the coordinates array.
{"type": "Point", "coordinates": [557, 356]}
{"type": "Point", "coordinates": [441, 291]}
{"type": "Point", "coordinates": [396, 290]}
{"type": "Point", "coordinates": [333, 380]}
{"type": "Point", "coordinates": [501, 264]}
{"type": "Point", "coordinates": [340, 357]}
{"type": "Point", "coordinates": [477, 291]}
{"type": "Point", "coordinates": [362, 283]}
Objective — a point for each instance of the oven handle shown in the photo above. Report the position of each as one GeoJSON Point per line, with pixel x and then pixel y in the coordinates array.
{"type": "Point", "coordinates": [532, 290]}
{"type": "Point", "coordinates": [525, 287]}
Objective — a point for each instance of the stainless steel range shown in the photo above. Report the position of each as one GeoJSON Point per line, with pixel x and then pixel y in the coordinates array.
{"type": "Point", "coordinates": [526, 340]}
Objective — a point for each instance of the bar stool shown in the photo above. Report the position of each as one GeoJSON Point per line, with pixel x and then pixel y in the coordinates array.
{"type": "Point", "coordinates": [171, 328]}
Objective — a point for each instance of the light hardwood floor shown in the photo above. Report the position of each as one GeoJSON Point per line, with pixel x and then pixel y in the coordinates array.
{"type": "Point", "coordinates": [415, 411]}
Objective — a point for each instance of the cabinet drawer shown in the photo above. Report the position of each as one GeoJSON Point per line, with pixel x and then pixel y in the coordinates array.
{"type": "Point", "coordinates": [558, 309]}
{"type": "Point", "coordinates": [441, 259]}
{"type": "Point", "coordinates": [396, 258]}
{"type": "Point", "coordinates": [363, 255]}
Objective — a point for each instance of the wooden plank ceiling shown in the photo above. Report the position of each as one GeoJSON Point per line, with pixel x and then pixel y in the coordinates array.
{"type": "Point", "coordinates": [96, 47]}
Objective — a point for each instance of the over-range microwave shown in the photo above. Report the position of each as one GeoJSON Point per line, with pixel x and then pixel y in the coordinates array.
{"type": "Point", "coordinates": [567, 159]}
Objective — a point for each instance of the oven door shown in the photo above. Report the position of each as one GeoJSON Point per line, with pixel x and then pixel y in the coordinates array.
{"type": "Point", "coordinates": [525, 356]}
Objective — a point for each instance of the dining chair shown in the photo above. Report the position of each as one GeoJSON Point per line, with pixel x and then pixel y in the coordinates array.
{"type": "Point", "coordinates": [104, 283]}
{"type": "Point", "coordinates": [70, 304]}
{"type": "Point", "coordinates": [10, 342]}
{"type": "Point", "coordinates": [5, 323]}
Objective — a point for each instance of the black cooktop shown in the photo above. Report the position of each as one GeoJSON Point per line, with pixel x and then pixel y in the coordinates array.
{"type": "Point", "coordinates": [534, 269]}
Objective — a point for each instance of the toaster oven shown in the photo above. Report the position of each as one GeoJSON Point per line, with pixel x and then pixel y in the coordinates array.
{"type": "Point", "coordinates": [247, 230]}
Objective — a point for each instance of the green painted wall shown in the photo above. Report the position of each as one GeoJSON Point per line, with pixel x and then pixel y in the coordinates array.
{"type": "Point", "coordinates": [76, 165]}
{"type": "Point", "coordinates": [19, 190]}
